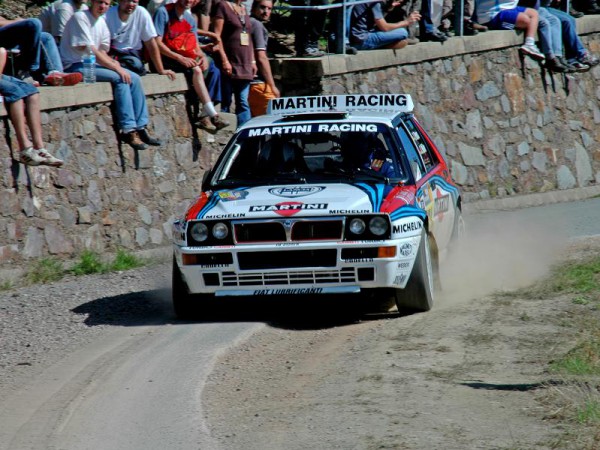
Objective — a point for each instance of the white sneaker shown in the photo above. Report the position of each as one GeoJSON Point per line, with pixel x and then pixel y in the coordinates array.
{"type": "Point", "coordinates": [31, 157]}
{"type": "Point", "coordinates": [49, 159]}
{"type": "Point", "coordinates": [532, 51]}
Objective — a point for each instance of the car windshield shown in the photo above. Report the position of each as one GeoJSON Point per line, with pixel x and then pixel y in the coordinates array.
{"type": "Point", "coordinates": [310, 153]}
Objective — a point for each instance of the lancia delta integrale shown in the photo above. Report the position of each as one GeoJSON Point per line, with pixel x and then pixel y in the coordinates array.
{"type": "Point", "coordinates": [323, 195]}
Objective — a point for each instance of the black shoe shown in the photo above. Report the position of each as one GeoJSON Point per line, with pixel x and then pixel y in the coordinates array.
{"type": "Point", "coordinates": [469, 30]}
{"type": "Point", "coordinates": [570, 67]}
{"type": "Point", "coordinates": [350, 50]}
{"type": "Point", "coordinates": [593, 9]}
{"type": "Point", "coordinates": [575, 14]}
{"type": "Point", "coordinates": [133, 139]}
{"type": "Point", "coordinates": [434, 36]}
{"type": "Point", "coordinates": [554, 65]}
{"type": "Point", "coordinates": [311, 52]}
{"type": "Point", "coordinates": [147, 139]}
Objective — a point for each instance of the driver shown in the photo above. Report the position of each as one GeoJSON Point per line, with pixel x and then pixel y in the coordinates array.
{"type": "Point", "coordinates": [366, 151]}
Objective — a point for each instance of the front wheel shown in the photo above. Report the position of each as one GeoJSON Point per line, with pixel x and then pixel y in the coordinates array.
{"type": "Point", "coordinates": [182, 299]}
{"type": "Point", "coordinates": [418, 295]}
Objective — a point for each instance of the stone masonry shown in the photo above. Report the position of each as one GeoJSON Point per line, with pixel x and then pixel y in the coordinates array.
{"type": "Point", "coordinates": [506, 128]}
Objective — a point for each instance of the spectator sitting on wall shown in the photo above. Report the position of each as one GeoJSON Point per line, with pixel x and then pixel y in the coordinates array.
{"type": "Point", "coordinates": [506, 15]}
{"type": "Point", "coordinates": [23, 106]}
{"type": "Point", "coordinates": [131, 30]}
{"type": "Point", "coordinates": [209, 43]}
{"type": "Point", "coordinates": [178, 44]}
{"type": "Point", "coordinates": [39, 59]}
{"type": "Point", "coordinates": [550, 33]}
{"type": "Point", "coordinates": [369, 29]}
{"type": "Point", "coordinates": [87, 31]}
{"type": "Point", "coordinates": [576, 54]}
{"type": "Point", "coordinates": [55, 15]}
{"type": "Point", "coordinates": [262, 88]}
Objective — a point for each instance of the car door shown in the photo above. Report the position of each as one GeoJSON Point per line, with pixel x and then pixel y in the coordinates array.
{"type": "Point", "coordinates": [434, 193]}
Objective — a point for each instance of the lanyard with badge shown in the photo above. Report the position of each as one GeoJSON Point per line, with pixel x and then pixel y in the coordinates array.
{"type": "Point", "coordinates": [244, 36]}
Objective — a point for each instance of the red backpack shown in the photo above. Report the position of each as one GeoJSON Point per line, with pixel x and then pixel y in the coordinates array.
{"type": "Point", "coordinates": [179, 36]}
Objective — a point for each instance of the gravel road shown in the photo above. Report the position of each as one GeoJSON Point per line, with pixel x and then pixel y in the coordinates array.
{"type": "Point", "coordinates": [320, 374]}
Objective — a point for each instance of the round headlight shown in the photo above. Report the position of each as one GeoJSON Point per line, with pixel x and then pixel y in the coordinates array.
{"type": "Point", "coordinates": [378, 226]}
{"type": "Point", "coordinates": [220, 230]}
{"type": "Point", "coordinates": [199, 232]}
{"type": "Point", "coordinates": [357, 226]}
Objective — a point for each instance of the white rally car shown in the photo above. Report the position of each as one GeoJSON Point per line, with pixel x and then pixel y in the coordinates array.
{"type": "Point", "coordinates": [327, 194]}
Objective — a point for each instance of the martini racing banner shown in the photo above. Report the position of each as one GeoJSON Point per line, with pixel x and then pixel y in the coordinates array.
{"type": "Point", "coordinates": [341, 103]}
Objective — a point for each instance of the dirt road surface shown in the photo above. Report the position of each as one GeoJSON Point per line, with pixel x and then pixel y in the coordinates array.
{"type": "Point", "coordinates": [99, 362]}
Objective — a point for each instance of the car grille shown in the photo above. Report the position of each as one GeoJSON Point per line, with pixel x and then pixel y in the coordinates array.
{"type": "Point", "coordinates": [288, 230]}
{"type": "Point", "coordinates": [345, 275]}
{"type": "Point", "coordinates": [263, 260]}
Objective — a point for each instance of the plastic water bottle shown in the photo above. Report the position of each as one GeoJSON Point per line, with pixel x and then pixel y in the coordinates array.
{"type": "Point", "coordinates": [89, 66]}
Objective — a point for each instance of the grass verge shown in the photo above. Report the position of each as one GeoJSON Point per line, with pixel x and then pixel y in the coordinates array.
{"type": "Point", "coordinates": [575, 401]}
{"type": "Point", "coordinates": [47, 270]}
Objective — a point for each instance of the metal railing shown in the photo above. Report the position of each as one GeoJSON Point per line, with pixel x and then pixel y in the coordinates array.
{"type": "Point", "coordinates": [341, 27]}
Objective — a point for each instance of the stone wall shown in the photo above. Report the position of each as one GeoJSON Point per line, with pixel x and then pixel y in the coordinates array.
{"type": "Point", "coordinates": [506, 127]}
{"type": "Point", "coordinates": [107, 195]}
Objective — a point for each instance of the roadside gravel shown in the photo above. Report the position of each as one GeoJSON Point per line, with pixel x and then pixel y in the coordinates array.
{"type": "Point", "coordinates": [41, 323]}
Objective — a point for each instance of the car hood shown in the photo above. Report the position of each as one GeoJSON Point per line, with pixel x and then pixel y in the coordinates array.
{"type": "Point", "coordinates": [290, 200]}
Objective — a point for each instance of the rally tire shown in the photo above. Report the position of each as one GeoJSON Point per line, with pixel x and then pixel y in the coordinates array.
{"type": "Point", "coordinates": [183, 302]}
{"type": "Point", "coordinates": [418, 295]}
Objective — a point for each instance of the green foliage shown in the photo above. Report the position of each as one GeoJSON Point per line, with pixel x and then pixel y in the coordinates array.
{"type": "Point", "coordinates": [125, 261]}
{"type": "Point", "coordinates": [5, 285]}
{"type": "Point", "coordinates": [578, 278]}
{"type": "Point", "coordinates": [45, 270]}
{"type": "Point", "coordinates": [89, 262]}
{"type": "Point", "coordinates": [589, 412]}
{"type": "Point", "coordinates": [584, 359]}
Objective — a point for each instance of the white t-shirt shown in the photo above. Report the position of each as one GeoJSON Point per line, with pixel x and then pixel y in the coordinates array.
{"type": "Point", "coordinates": [129, 35]}
{"type": "Point", "coordinates": [83, 30]}
{"type": "Point", "coordinates": [55, 16]}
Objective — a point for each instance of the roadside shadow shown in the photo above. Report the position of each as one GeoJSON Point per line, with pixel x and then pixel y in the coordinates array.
{"type": "Point", "coordinates": [153, 307]}
{"type": "Point", "coordinates": [518, 387]}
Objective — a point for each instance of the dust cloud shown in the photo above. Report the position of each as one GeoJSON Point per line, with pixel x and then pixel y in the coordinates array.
{"type": "Point", "coordinates": [501, 252]}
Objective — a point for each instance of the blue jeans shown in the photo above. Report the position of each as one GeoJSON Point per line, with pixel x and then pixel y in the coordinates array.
{"type": "Point", "coordinates": [130, 100]}
{"type": "Point", "coordinates": [241, 89]}
{"type": "Point", "coordinates": [13, 89]}
{"type": "Point", "coordinates": [573, 47]}
{"type": "Point", "coordinates": [380, 39]}
{"type": "Point", "coordinates": [550, 33]}
{"type": "Point", "coordinates": [26, 35]}
{"type": "Point", "coordinates": [50, 56]}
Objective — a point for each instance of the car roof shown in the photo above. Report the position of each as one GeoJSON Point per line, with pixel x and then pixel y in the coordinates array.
{"type": "Point", "coordinates": [382, 108]}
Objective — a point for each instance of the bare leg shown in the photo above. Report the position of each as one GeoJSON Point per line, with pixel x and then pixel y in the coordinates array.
{"type": "Point", "coordinates": [528, 21]}
{"type": "Point", "coordinates": [400, 44]}
{"type": "Point", "coordinates": [200, 86]}
{"type": "Point", "coordinates": [32, 108]}
{"type": "Point", "coordinates": [16, 111]}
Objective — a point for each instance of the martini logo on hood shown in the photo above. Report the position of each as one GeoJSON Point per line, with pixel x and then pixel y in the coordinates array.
{"type": "Point", "coordinates": [295, 191]}
{"type": "Point", "coordinates": [287, 209]}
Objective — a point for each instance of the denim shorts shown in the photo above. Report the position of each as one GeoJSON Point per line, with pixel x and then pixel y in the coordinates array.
{"type": "Point", "coordinates": [13, 89]}
{"type": "Point", "coordinates": [506, 19]}
{"type": "Point", "coordinates": [381, 39]}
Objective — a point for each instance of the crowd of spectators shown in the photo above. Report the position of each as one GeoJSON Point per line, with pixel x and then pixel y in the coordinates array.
{"type": "Point", "coordinates": [221, 48]}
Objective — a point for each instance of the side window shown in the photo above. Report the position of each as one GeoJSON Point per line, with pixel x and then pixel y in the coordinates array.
{"type": "Point", "coordinates": [415, 161]}
{"type": "Point", "coordinates": [427, 155]}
